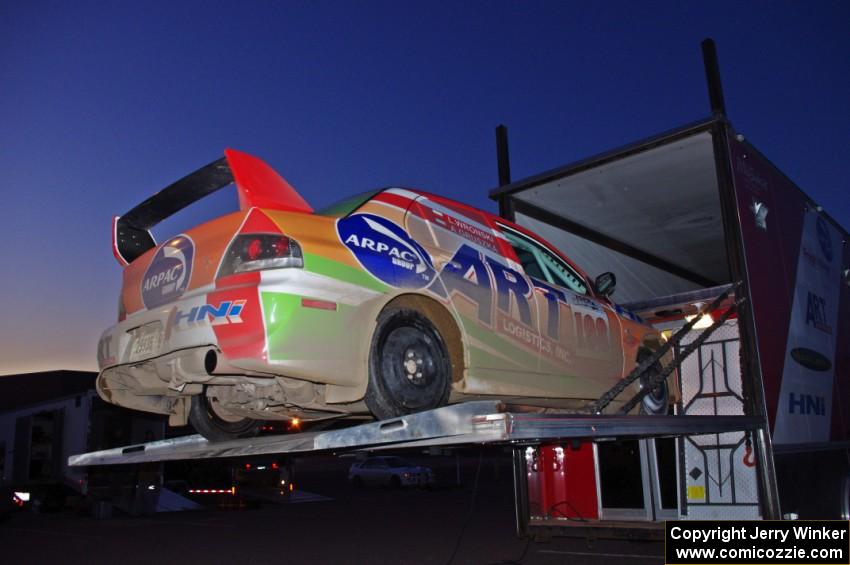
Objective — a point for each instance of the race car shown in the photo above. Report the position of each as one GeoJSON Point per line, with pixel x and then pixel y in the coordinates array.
{"type": "Point", "coordinates": [391, 302]}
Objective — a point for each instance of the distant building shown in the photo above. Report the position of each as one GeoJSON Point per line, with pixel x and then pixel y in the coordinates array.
{"type": "Point", "coordinates": [46, 417]}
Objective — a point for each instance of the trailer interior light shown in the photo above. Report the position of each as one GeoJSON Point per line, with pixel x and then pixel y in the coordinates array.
{"type": "Point", "coordinates": [703, 322]}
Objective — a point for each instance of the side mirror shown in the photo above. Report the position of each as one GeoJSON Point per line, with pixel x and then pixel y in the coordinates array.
{"type": "Point", "coordinates": [605, 283]}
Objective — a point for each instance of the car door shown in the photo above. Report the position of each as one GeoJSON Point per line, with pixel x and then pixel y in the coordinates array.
{"type": "Point", "coordinates": [580, 335]}
{"type": "Point", "coordinates": [486, 289]}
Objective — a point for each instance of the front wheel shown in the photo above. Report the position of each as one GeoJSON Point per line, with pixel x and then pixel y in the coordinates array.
{"type": "Point", "coordinates": [657, 401]}
{"type": "Point", "coordinates": [409, 366]}
{"type": "Point", "coordinates": [217, 424]}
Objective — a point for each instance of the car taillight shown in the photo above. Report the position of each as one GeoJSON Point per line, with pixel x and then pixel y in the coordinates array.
{"type": "Point", "coordinates": [258, 251]}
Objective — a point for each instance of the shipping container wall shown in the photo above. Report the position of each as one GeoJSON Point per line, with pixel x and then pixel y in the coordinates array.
{"type": "Point", "coordinates": [796, 259]}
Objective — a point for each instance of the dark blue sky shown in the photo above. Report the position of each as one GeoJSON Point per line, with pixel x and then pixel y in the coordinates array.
{"type": "Point", "coordinates": [102, 104]}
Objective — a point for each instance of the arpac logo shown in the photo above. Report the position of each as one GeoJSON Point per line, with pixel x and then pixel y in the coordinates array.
{"type": "Point", "coordinates": [228, 312]}
{"type": "Point", "coordinates": [168, 274]}
{"type": "Point", "coordinates": [386, 251]}
{"type": "Point", "coordinates": [816, 313]}
{"type": "Point", "coordinates": [824, 239]}
{"type": "Point", "coordinates": [811, 359]}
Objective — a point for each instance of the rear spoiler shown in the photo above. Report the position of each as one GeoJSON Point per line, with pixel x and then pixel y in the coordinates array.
{"type": "Point", "coordinates": [257, 183]}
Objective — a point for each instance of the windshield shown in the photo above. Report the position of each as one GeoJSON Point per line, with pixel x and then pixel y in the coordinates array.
{"type": "Point", "coordinates": [398, 462]}
{"type": "Point", "coordinates": [347, 205]}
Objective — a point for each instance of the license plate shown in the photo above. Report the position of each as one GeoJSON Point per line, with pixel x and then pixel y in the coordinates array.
{"type": "Point", "coordinates": [147, 341]}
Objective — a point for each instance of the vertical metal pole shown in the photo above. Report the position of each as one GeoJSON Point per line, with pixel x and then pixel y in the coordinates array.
{"type": "Point", "coordinates": [751, 377]}
{"type": "Point", "coordinates": [520, 492]}
{"type": "Point", "coordinates": [712, 77]}
{"type": "Point", "coordinates": [503, 160]}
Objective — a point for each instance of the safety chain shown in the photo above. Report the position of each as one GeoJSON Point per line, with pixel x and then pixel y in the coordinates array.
{"type": "Point", "coordinates": [604, 400]}
{"type": "Point", "coordinates": [659, 378]}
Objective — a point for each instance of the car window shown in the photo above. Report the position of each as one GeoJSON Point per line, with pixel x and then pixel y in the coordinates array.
{"type": "Point", "coordinates": [347, 205]}
{"type": "Point", "coordinates": [375, 463]}
{"type": "Point", "coordinates": [397, 462]}
{"type": "Point", "coordinates": [541, 263]}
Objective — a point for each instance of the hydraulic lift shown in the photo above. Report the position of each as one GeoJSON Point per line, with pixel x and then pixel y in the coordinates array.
{"type": "Point", "coordinates": [469, 423]}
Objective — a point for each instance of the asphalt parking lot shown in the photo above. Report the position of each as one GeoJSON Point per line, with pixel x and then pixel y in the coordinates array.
{"type": "Point", "coordinates": [370, 525]}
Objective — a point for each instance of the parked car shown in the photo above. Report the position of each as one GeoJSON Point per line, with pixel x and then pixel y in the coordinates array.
{"type": "Point", "coordinates": [389, 471]}
{"type": "Point", "coordinates": [392, 301]}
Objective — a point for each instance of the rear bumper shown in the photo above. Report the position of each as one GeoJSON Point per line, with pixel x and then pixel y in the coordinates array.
{"type": "Point", "coordinates": [284, 322]}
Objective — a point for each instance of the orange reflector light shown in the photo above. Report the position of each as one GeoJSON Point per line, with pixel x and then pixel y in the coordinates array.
{"type": "Point", "coordinates": [319, 304]}
{"type": "Point", "coordinates": [295, 422]}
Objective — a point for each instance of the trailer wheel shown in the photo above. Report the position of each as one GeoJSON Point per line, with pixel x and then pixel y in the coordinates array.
{"type": "Point", "coordinates": [215, 423]}
{"type": "Point", "coordinates": [409, 366]}
{"type": "Point", "coordinates": [657, 401]}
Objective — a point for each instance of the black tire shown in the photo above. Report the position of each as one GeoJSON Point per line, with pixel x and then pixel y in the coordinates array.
{"type": "Point", "coordinates": [208, 421]}
{"type": "Point", "coordinates": [656, 402]}
{"type": "Point", "coordinates": [395, 482]}
{"type": "Point", "coordinates": [409, 366]}
{"type": "Point", "coordinates": [357, 482]}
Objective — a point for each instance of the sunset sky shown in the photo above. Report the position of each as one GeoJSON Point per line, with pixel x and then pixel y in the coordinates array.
{"type": "Point", "coordinates": [103, 104]}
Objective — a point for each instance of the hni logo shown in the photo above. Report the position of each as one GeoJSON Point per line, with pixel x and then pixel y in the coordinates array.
{"type": "Point", "coordinates": [806, 404]}
{"type": "Point", "coordinates": [228, 312]}
{"type": "Point", "coordinates": [816, 313]}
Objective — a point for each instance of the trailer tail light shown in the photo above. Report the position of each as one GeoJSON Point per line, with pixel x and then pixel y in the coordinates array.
{"type": "Point", "coordinates": [260, 251]}
{"type": "Point", "coordinates": [231, 491]}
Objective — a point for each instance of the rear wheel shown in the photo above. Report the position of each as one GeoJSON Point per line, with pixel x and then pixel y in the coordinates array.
{"type": "Point", "coordinates": [217, 424]}
{"type": "Point", "coordinates": [409, 367]}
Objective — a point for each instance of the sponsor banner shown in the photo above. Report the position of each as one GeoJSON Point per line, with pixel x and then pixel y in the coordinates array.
{"type": "Point", "coordinates": [805, 396]}
{"type": "Point", "coordinates": [771, 211]}
{"type": "Point", "coordinates": [169, 273]}
{"type": "Point", "coordinates": [694, 542]}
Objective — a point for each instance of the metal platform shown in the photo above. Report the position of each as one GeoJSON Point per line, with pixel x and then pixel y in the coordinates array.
{"type": "Point", "coordinates": [479, 422]}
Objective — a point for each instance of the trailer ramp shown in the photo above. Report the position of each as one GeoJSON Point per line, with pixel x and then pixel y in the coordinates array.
{"type": "Point", "coordinates": [469, 423]}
